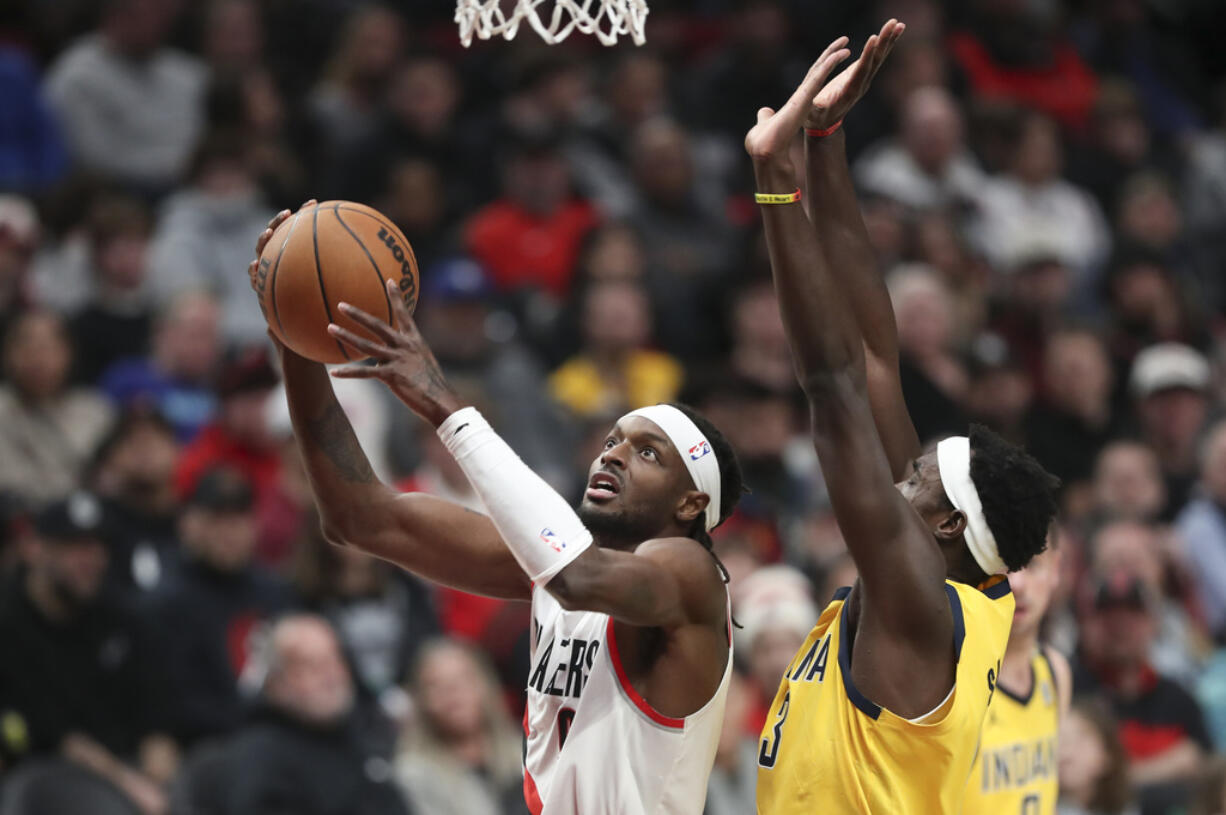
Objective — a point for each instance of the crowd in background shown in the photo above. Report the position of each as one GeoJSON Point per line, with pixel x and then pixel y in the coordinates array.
{"type": "Point", "coordinates": [1045, 186]}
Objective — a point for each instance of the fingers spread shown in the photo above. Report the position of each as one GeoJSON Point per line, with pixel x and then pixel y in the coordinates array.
{"type": "Point", "coordinates": [376, 326]}
{"type": "Point", "coordinates": [366, 347]}
{"type": "Point", "coordinates": [404, 317]}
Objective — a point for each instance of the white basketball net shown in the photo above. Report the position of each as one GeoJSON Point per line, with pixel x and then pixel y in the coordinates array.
{"type": "Point", "coordinates": [607, 19]}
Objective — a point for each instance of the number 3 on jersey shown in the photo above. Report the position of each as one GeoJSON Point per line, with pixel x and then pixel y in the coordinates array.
{"type": "Point", "coordinates": [770, 745]}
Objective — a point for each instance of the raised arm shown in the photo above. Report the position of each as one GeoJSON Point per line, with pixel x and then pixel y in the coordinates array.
{"type": "Point", "coordinates": [844, 243]}
{"type": "Point", "coordinates": [901, 568]}
{"type": "Point", "coordinates": [435, 539]}
{"type": "Point", "coordinates": [664, 583]}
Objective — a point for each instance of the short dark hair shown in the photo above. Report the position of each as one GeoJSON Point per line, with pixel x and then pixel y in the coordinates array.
{"type": "Point", "coordinates": [1018, 495]}
{"type": "Point", "coordinates": [732, 481]}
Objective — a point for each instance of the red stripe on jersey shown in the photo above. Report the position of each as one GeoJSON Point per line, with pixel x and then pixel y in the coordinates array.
{"type": "Point", "coordinates": [531, 797]}
{"type": "Point", "coordinates": [634, 696]}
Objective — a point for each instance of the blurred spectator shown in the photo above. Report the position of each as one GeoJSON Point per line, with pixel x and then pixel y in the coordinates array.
{"type": "Point", "coordinates": [1204, 193]}
{"type": "Point", "coordinates": [233, 36]}
{"type": "Point", "coordinates": [19, 233]}
{"type": "Point", "coordinates": [32, 154]}
{"type": "Point", "coordinates": [477, 346]}
{"type": "Point", "coordinates": [460, 755]}
{"type": "Point", "coordinates": [1170, 385]}
{"type": "Point", "coordinates": [1093, 764]}
{"type": "Point", "coordinates": [928, 166]}
{"type": "Point", "coordinates": [1147, 215]}
{"type": "Point", "coordinates": [734, 778]}
{"type": "Point", "coordinates": [80, 682]}
{"type": "Point", "coordinates": [1202, 527]}
{"type": "Point", "coordinates": [775, 609]}
{"type": "Point", "coordinates": [344, 105]}
{"type": "Point", "coordinates": [211, 605]}
{"type": "Point", "coordinates": [1120, 143]}
{"type": "Point", "coordinates": [1146, 552]}
{"type": "Point", "coordinates": [47, 428]}
{"type": "Point", "coordinates": [1128, 483]}
{"type": "Point", "coordinates": [940, 244]}
{"type": "Point", "coordinates": [1146, 303]}
{"type": "Point", "coordinates": [689, 246]}
{"type": "Point", "coordinates": [132, 471]}
{"type": "Point", "coordinates": [1017, 51]}
{"type": "Point", "coordinates": [205, 232]}
{"type": "Point", "coordinates": [760, 351]}
{"type": "Point", "coordinates": [1073, 419]}
{"type": "Point", "coordinates": [176, 376]}
{"type": "Point", "coordinates": [115, 320]}
{"type": "Point", "coordinates": [239, 437]}
{"type": "Point", "coordinates": [130, 106]}
{"type": "Point", "coordinates": [382, 615]}
{"type": "Point", "coordinates": [1161, 725]}
{"type": "Point", "coordinates": [999, 391]}
{"type": "Point", "coordinates": [416, 199]}
{"type": "Point", "coordinates": [613, 370]}
{"type": "Point", "coordinates": [530, 237]}
{"type": "Point", "coordinates": [1032, 208]}
{"type": "Point", "coordinates": [309, 750]}
{"type": "Point", "coordinates": [934, 381]}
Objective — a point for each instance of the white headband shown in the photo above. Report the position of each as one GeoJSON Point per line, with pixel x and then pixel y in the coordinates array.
{"type": "Point", "coordinates": [695, 450]}
{"type": "Point", "coordinates": [954, 462]}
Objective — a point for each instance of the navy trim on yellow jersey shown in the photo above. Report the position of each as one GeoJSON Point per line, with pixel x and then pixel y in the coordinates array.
{"type": "Point", "coordinates": [1023, 701]}
{"type": "Point", "coordinates": [998, 590]}
{"type": "Point", "coordinates": [867, 706]}
{"type": "Point", "coordinates": [840, 593]}
{"type": "Point", "coordinates": [955, 606]}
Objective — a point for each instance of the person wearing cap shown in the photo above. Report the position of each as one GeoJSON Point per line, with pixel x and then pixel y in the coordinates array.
{"type": "Point", "coordinates": [475, 344]}
{"type": "Point", "coordinates": [1170, 387]}
{"type": "Point", "coordinates": [631, 651]}
{"type": "Point", "coordinates": [1161, 724]}
{"type": "Point", "coordinates": [238, 436]}
{"type": "Point", "coordinates": [79, 686]}
{"type": "Point", "coordinates": [212, 606]}
{"type": "Point", "coordinates": [881, 708]}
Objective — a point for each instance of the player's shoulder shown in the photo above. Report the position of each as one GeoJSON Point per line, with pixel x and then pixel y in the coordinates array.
{"type": "Point", "coordinates": [674, 551]}
{"type": "Point", "coordinates": [692, 565]}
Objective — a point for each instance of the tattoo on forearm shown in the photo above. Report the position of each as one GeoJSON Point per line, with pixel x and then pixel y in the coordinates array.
{"type": "Point", "coordinates": [331, 434]}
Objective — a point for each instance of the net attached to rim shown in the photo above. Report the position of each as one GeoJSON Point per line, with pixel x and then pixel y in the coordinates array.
{"type": "Point", "coordinates": [554, 20]}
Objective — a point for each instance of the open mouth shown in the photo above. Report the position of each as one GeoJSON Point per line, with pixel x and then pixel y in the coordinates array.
{"type": "Point", "coordinates": [602, 487]}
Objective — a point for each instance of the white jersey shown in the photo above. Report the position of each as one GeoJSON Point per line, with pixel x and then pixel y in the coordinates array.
{"type": "Point", "coordinates": [593, 745]}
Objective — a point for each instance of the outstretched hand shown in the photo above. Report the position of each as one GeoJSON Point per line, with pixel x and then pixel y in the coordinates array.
{"type": "Point", "coordinates": [774, 132]}
{"type": "Point", "coordinates": [402, 360]}
{"type": "Point", "coordinates": [836, 99]}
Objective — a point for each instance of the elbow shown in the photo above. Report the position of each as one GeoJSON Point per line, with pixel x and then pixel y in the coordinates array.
{"type": "Point", "coordinates": [563, 590]}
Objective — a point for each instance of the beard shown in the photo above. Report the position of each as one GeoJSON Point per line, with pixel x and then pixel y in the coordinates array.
{"type": "Point", "coordinates": [616, 528]}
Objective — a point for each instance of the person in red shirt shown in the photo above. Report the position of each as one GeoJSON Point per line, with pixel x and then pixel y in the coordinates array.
{"type": "Point", "coordinates": [531, 236]}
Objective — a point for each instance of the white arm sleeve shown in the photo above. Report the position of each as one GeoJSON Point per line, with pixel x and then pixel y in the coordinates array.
{"type": "Point", "coordinates": [539, 526]}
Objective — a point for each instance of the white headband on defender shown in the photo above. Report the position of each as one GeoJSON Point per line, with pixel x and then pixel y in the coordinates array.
{"type": "Point", "coordinates": [954, 462]}
{"type": "Point", "coordinates": [695, 450]}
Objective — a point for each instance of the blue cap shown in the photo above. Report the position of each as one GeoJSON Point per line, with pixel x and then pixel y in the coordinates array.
{"type": "Point", "coordinates": [457, 278]}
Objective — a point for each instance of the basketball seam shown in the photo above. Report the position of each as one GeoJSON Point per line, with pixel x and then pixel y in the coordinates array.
{"type": "Point", "coordinates": [382, 283]}
{"type": "Point", "coordinates": [272, 284]}
{"type": "Point", "coordinates": [319, 275]}
{"type": "Point", "coordinates": [408, 246]}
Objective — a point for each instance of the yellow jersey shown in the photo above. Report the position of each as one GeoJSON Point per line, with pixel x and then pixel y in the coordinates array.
{"type": "Point", "coordinates": [826, 748]}
{"type": "Point", "coordinates": [1015, 771]}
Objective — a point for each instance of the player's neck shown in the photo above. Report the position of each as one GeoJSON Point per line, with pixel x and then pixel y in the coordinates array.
{"type": "Point", "coordinates": [1018, 653]}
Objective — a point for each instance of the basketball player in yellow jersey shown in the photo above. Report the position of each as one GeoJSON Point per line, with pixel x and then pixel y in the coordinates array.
{"type": "Point", "coordinates": [1015, 771]}
{"type": "Point", "coordinates": [880, 710]}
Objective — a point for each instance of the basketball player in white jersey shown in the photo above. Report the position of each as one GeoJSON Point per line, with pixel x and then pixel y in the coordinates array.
{"type": "Point", "coordinates": [631, 653]}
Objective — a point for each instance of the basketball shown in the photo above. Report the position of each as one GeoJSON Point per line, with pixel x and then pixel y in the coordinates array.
{"type": "Point", "coordinates": [326, 254]}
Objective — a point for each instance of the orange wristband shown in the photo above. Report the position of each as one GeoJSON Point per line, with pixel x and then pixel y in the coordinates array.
{"type": "Point", "coordinates": [821, 134]}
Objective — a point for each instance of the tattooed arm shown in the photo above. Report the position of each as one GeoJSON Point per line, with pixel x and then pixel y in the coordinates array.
{"type": "Point", "coordinates": [435, 539]}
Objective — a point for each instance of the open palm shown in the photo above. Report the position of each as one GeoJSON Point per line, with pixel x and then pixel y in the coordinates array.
{"type": "Point", "coordinates": [837, 97]}
{"type": "Point", "coordinates": [776, 129]}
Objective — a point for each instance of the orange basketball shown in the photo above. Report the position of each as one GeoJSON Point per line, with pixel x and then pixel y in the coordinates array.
{"type": "Point", "coordinates": [325, 254]}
